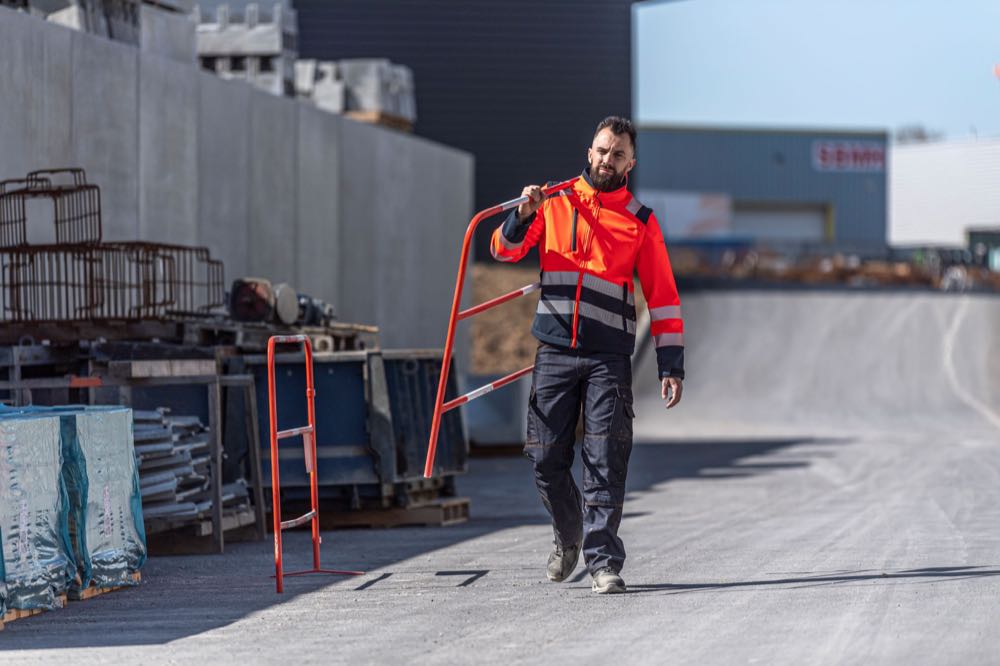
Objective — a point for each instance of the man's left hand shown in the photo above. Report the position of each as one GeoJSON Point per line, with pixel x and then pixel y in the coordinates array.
{"type": "Point", "coordinates": [672, 387]}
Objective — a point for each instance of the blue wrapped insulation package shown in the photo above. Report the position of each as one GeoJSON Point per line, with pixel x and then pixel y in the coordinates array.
{"type": "Point", "coordinates": [34, 536]}
{"type": "Point", "coordinates": [105, 508]}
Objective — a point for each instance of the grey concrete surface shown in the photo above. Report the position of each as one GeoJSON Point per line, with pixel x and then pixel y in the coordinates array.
{"type": "Point", "coordinates": [318, 255]}
{"type": "Point", "coordinates": [168, 151]}
{"type": "Point", "coordinates": [104, 121]}
{"type": "Point", "coordinates": [877, 543]}
{"type": "Point", "coordinates": [224, 171]}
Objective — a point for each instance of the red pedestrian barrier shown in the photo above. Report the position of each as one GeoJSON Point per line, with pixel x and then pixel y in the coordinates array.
{"type": "Point", "coordinates": [308, 433]}
{"type": "Point", "coordinates": [440, 406]}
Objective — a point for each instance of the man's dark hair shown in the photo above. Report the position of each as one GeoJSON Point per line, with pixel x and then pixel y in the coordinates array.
{"type": "Point", "coordinates": [619, 126]}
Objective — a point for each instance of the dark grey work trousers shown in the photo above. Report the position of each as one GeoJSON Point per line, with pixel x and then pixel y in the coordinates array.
{"type": "Point", "coordinates": [565, 381]}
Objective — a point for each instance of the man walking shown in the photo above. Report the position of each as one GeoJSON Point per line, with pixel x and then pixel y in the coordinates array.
{"type": "Point", "coordinates": [592, 239]}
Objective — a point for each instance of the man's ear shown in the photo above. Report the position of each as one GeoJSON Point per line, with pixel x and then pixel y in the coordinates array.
{"type": "Point", "coordinates": [631, 165]}
{"type": "Point", "coordinates": [590, 155]}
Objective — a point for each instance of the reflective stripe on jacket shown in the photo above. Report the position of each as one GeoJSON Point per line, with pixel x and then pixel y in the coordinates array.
{"type": "Point", "coordinates": [591, 243]}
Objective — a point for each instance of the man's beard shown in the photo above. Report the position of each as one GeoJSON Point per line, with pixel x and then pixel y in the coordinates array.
{"type": "Point", "coordinates": [606, 182]}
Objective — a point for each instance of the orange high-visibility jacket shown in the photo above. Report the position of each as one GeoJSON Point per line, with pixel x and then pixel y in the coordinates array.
{"type": "Point", "coordinates": [591, 243]}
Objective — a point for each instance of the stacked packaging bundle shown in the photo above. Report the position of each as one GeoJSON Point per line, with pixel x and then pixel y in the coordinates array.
{"type": "Point", "coordinates": [105, 508]}
{"type": "Point", "coordinates": [175, 470]}
{"type": "Point", "coordinates": [34, 536]}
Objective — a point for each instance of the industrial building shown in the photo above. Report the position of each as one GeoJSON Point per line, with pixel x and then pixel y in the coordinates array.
{"type": "Point", "coordinates": [517, 84]}
{"type": "Point", "coordinates": [766, 186]}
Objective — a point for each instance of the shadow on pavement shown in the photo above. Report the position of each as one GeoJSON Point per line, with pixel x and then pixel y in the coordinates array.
{"type": "Point", "coordinates": [184, 596]}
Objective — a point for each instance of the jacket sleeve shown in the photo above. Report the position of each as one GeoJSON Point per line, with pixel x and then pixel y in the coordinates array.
{"type": "Point", "coordinates": [660, 290]}
{"type": "Point", "coordinates": [512, 240]}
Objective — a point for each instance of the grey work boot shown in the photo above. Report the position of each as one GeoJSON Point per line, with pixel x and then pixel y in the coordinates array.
{"type": "Point", "coordinates": [607, 581]}
{"type": "Point", "coordinates": [562, 561]}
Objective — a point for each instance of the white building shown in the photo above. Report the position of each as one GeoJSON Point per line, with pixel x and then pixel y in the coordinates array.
{"type": "Point", "coordinates": [940, 190]}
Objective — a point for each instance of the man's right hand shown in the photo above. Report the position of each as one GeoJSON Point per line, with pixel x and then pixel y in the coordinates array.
{"type": "Point", "coordinates": [530, 207]}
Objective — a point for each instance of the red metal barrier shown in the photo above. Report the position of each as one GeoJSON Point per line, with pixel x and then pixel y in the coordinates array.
{"type": "Point", "coordinates": [308, 433]}
{"type": "Point", "coordinates": [440, 406]}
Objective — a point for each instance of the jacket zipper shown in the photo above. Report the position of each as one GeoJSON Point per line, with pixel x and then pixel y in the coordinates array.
{"type": "Point", "coordinates": [575, 213]}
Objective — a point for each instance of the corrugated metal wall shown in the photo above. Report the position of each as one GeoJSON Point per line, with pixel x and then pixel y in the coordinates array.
{"type": "Point", "coordinates": [767, 167]}
{"type": "Point", "coordinates": [938, 190]}
{"type": "Point", "coordinates": [520, 84]}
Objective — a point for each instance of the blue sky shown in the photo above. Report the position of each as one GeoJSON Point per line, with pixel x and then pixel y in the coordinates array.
{"type": "Point", "coordinates": [877, 64]}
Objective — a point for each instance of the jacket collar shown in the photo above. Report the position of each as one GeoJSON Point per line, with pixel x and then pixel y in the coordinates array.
{"type": "Point", "coordinates": [585, 187]}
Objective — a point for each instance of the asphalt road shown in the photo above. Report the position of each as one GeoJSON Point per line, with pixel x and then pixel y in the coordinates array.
{"type": "Point", "coordinates": [827, 493]}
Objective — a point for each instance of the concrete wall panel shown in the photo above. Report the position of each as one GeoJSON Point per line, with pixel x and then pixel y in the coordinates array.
{"type": "Point", "coordinates": [35, 129]}
{"type": "Point", "coordinates": [224, 172]}
{"type": "Point", "coordinates": [168, 151]}
{"type": "Point", "coordinates": [106, 127]}
{"type": "Point", "coordinates": [273, 148]}
{"type": "Point", "coordinates": [356, 295]}
{"type": "Point", "coordinates": [317, 264]}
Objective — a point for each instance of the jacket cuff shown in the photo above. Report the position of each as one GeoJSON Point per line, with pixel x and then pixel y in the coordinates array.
{"type": "Point", "coordinates": [670, 361]}
{"type": "Point", "coordinates": [513, 229]}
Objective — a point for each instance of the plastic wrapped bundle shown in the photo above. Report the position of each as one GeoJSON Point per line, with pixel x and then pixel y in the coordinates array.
{"type": "Point", "coordinates": [37, 560]}
{"type": "Point", "coordinates": [102, 479]}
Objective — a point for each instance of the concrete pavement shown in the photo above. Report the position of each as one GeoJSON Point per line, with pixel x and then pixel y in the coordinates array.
{"type": "Point", "coordinates": [766, 536]}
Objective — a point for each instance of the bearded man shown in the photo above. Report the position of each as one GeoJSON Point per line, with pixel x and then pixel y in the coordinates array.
{"type": "Point", "coordinates": [592, 239]}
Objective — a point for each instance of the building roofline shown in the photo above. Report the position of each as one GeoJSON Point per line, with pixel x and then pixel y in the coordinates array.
{"type": "Point", "coordinates": [734, 129]}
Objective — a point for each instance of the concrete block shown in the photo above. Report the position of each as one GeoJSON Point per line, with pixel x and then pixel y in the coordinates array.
{"type": "Point", "coordinates": [224, 172]}
{"type": "Point", "coordinates": [317, 258]}
{"type": "Point", "coordinates": [168, 151]}
{"type": "Point", "coordinates": [273, 148]}
{"type": "Point", "coordinates": [105, 127]}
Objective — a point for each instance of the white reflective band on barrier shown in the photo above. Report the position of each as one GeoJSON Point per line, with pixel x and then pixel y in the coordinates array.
{"type": "Point", "coordinates": [530, 288]}
{"type": "Point", "coordinates": [669, 339]}
{"type": "Point", "coordinates": [479, 392]}
{"type": "Point", "coordinates": [665, 312]}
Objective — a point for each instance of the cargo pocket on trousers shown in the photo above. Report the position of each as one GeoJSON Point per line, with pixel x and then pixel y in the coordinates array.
{"type": "Point", "coordinates": [621, 419]}
{"type": "Point", "coordinates": [531, 435]}
{"type": "Point", "coordinates": [620, 442]}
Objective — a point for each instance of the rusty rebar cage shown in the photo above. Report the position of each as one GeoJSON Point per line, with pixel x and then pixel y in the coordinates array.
{"type": "Point", "coordinates": [112, 281]}
{"type": "Point", "coordinates": [76, 206]}
{"type": "Point", "coordinates": [81, 278]}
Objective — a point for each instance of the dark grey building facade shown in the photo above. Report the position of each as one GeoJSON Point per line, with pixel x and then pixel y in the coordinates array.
{"type": "Point", "coordinates": [521, 84]}
{"type": "Point", "coordinates": [782, 186]}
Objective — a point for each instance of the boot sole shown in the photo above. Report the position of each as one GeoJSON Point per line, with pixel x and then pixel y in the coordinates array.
{"type": "Point", "coordinates": [610, 588]}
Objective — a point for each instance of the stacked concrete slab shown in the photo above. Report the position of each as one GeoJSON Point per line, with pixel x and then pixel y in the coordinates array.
{"type": "Point", "coordinates": [366, 218]}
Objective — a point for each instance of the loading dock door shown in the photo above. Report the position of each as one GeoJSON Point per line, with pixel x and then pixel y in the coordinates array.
{"type": "Point", "coordinates": [780, 224]}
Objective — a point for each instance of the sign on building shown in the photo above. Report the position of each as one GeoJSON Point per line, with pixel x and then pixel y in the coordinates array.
{"type": "Point", "coordinates": [844, 156]}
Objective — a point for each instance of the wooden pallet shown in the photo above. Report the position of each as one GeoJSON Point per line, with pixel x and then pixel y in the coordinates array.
{"type": "Point", "coordinates": [91, 591]}
{"type": "Point", "coordinates": [441, 512]}
{"type": "Point", "coordinates": [21, 613]}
